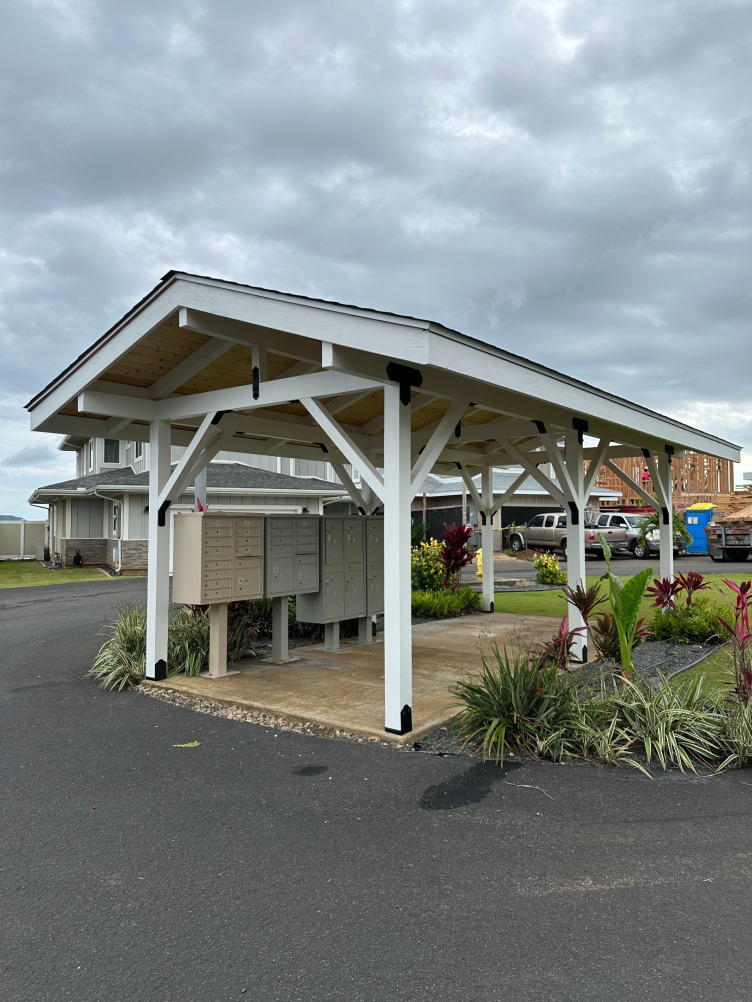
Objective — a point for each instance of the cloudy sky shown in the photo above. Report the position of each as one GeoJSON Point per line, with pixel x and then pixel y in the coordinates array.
{"type": "Point", "coordinates": [569, 179]}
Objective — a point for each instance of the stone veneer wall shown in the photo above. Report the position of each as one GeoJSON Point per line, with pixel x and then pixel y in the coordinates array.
{"type": "Point", "coordinates": [134, 554]}
{"type": "Point", "coordinates": [95, 552]}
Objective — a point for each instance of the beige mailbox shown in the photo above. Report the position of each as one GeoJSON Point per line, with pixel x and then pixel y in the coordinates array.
{"type": "Point", "coordinates": [217, 557]}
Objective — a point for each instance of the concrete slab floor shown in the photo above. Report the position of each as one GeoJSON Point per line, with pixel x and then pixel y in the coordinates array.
{"type": "Point", "coordinates": [345, 689]}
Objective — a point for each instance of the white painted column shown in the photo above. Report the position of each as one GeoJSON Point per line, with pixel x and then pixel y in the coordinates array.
{"type": "Point", "coordinates": [398, 641]}
{"type": "Point", "coordinates": [158, 582]}
{"type": "Point", "coordinates": [576, 537]}
{"type": "Point", "coordinates": [199, 488]}
{"type": "Point", "coordinates": [486, 538]}
{"type": "Point", "coordinates": [667, 528]}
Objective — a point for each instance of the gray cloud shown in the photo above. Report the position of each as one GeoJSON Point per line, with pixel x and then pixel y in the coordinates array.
{"type": "Point", "coordinates": [568, 179]}
{"type": "Point", "coordinates": [33, 455]}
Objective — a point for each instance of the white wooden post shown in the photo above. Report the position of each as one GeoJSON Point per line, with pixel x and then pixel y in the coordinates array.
{"type": "Point", "coordinates": [576, 536]}
{"type": "Point", "coordinates": [398, 649]}
{"type": "Point", "coordinates": [199, 489]}
{"type": "Point", "coordinates": [666, 519]}
{"type": "Point", "coordinates": [486, 537]}
{"type": "Point", "coordinates": [158, 581]}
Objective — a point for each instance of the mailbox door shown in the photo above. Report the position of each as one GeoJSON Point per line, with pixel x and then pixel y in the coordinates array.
{"type": "Point", "coordinates": [306, 573]}
{"type": "Point", "coordinates": [375, 584]}
{"type": "Point", "coordinates": [334, 548]}
{"type": "Point", "coordinates": [248, 577]}
{"type": "Point", "coordinates": [355, 591]}
{"type": "Point", "coordinates": [333, 594]}
{"type": "Point", "coordinates": [279, 575]}
{"type": "Point", "coordinates": [354, 540]}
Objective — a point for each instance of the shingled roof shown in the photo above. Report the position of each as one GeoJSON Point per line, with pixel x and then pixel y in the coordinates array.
{"type": "Point", "coordinates": [219, 476]}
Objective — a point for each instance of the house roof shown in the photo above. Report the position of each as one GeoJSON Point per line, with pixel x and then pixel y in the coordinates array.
{"type": "Point", "coordinates": [502, 480]}
{"type": "Point", "coordinates": [187, 350]}
{"type": "Point", "coordinates": [219, 477]}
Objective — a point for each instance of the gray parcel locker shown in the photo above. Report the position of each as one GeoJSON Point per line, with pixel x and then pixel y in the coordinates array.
{"type": "Point", "coordinates": [352, 571]}
{"type": "Point", "coordinates": [342, 594]}
{"type": "Point", "coordinates": [292, 555]}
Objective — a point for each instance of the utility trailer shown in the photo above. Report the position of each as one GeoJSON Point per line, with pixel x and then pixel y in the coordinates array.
{"type": "Point", "coordinates": [730, 537]}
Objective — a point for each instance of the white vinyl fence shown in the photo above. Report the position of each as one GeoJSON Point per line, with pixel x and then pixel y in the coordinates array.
{"type": "Point", "coordinates": [22, 540]}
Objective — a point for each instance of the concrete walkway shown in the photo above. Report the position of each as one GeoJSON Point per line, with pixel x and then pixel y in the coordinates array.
{"type": "Point", "coordinates": [345, 689]}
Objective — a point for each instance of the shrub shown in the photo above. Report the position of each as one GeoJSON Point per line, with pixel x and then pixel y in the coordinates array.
{"type": "Point", "coordinates": [687, 624]}
{"type": "Point", "coordinates": [516, 704]}
{"type": "Point", "coordinates": [736, 628]}
{"type": "Point", "coordinates": [455, 554]}
{"type": "Point", "coordinates": [443, 604]}
{"type": "Point", "coordinates": [547, 570]}
{"type": "Point", "coordinates": [121, 659]}
{"type": "Point", "coordinates": [427, 569]}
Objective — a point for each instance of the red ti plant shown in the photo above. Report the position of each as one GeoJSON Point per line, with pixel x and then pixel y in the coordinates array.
{"type": "Point", "coordinates": [664, 593]}
{"type": "Point", "coordinates": [691, 583]}
{"type": "Point", "coordinates": [454, 553]}
{"type": "Point", "coordinates": [741, 639]}
{"type": "Point", "coordinates": [556, 652]}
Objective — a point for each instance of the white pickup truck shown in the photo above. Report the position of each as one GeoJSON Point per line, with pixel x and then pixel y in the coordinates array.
{"type": "Point", "coordinates": [650, 546]}
{"type": "Point", "coordinates": [549, 532]}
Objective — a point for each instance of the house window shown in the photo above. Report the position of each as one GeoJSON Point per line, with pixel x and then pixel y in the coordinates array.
{"type": "Point", "coordinates": [111, 450]}
{"type": "Point", "coordinates": [139, 449]}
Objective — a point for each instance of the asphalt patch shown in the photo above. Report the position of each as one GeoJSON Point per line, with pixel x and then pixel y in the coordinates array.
{"type": "Point", "coordinates": [311, 770]}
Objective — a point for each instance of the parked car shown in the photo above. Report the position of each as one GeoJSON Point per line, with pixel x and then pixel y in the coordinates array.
{"type": "Point", "coordinates": [632, 523]}
{"type": "Point", "coordinates": [549, 532]}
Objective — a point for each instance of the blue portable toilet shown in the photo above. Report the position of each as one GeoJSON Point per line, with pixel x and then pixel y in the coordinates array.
{"type": "Point", "coordinates": [697, 517]}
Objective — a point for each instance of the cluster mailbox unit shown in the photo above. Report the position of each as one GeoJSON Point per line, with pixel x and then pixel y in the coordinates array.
{"type": "Point", "coordinates": [351, 557]}
{"type": "Point", "coordinates": [335, 567]}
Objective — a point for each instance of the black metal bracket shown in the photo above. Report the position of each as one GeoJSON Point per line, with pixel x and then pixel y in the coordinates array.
{"type": "Point", "coordinates": [458, 465]}
{"type": "Point", "coordinates": [160, 670]}
{"type": "Point", "coordinates": [407, 377]}
{"type": "Point", "coordinates": [406, 721]}
{"type": "Point", "coordinates": [482, 518]}
{"type": "Point", "coordinates": [361, 510]}
{"type": "Point", "coordinates": [646, 453]}
{"type": "Point", "coordinates": [458, 429]}
{"type": "Point", "coordinates": [581, 426]}
{"type": "Point", "coordinates": [321, 446]}
{"type": "Point", "coordinates": [540, 426]}
{"type": "Point", "coordinates": [575, 512]}
{"type": "Point", "coordinates": [256, 382]}
{"type": "Point", "coordinates": [664, 515]}
{"type": "Point", "coordinates": [218, 416]}
{"type": "Point", "coordinates": [669, 450]}
{"type": "Point", "coordinates": [162, 513]}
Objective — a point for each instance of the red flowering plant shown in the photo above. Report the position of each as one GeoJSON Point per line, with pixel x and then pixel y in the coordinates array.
{"type": "Point", "coordinates": [664, 592]}
{"type": "Point", "coordinates": [691, 582]}
{"type": "Point", "coordinates": [740, 637]}
{"type": "Point", "coordinates": [455, 554]}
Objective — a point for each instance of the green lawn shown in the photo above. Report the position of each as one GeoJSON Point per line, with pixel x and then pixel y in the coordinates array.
{"type": "Point", "coordinates": [26, 573]}
{"type": "Point", "coordinates": [716, 670]}
{"type": "Point", "coordinates": [552, 603]}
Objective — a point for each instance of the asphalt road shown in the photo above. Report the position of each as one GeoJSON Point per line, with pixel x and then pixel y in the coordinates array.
{"type": "Point", "coordinates": [628, 565]}
{"type": "Point", "coordinates": [271, 866]}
